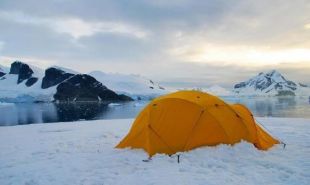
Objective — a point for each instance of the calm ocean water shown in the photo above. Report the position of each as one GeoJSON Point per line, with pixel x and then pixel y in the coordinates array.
{"type": "Point", "coordinates": [28, 113]}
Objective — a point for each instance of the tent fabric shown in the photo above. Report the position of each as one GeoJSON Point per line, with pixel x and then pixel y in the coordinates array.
{"type": "Point", "coordinates": [185, 120]}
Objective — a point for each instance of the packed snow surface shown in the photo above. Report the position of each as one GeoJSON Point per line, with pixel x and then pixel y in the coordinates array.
{"type": "Point", "coordinates": [83, 153]}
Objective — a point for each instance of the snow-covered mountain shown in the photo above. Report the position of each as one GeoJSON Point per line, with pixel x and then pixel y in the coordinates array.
{"type": "Point", "coordinates": [135, 86]}
{"type": "Point", "coordinates": [22, 83]}
{"type": "Point", "coordinates": [26, 83]}
{"type": "Point", "coordinates": [214, 89]}
{"type": "Point", "coordinates": [271, 83]}
{"type": "Point", "coordinates": [219, 91]}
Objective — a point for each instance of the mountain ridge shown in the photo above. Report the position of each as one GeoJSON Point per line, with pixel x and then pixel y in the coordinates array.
{"type": "Point", "coordinates": [24, 83]}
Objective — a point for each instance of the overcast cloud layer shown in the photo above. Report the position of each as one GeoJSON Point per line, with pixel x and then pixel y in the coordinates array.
{"type": "Point", "coordinates": [178, 42]}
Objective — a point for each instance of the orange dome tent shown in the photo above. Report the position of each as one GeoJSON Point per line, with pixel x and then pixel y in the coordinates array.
{"type": "Point", "coordinates": [185, 120]}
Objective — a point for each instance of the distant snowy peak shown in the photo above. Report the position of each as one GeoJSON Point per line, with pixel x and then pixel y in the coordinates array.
{"type": "Point", "coordinates": [214, 90]}
{"type": "Point", "coordinates": [270, 83]}
{"type": "Point", "coordinates": [218, 90]}
{"type": "Point", "coordinates": [132, 85]}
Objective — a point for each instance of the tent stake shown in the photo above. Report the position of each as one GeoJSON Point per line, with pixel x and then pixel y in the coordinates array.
{"type": "Point", "coordinates": [147, 160]}
{"type": "Point", "coordinates": [284, 145]}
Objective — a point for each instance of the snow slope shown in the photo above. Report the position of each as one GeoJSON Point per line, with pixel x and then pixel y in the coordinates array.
{"type": "Point", "coordinates": [84, 153]}
{"type": "Point", "coordinates": [10, 91]}
{"type": "Point", "coordinates": [4, 69]}
{"type": "Point", "coordinates": [132, 85]}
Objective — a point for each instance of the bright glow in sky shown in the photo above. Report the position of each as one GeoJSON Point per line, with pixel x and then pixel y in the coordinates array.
{"type": "Point", "coordinates": [307, 26]}
{"type": "Point", "coordinates": [239, 55]}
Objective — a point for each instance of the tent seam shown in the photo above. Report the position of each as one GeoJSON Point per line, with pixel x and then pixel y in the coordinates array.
{"type": "Point", "coordinates": [246, 128]}
{"type": "Point", "coordinates": [220, 125]}
{"type": "Point", "coordinates": [192, 130]}
{"type": "Point", "coordinates": [169, 147]}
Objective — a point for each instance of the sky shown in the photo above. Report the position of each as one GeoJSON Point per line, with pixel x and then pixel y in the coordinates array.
{"type": "Point", "coordinates": [179, 43]}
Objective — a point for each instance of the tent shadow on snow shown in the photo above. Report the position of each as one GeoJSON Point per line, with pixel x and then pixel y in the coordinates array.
{"type": "Point", "coordinates": [185, 120]}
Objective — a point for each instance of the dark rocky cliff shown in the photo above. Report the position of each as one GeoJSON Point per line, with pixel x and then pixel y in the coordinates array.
{"type": "Point", "coordinates": [82, 87]}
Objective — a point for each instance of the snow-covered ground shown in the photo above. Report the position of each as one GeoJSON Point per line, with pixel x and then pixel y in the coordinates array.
{"type": "Point", "coordinates": [84, 153]}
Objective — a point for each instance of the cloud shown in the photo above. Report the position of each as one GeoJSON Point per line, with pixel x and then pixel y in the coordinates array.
{"type": "Point", "coordinates": [178, 41]}
{"type": "Point", "coordinates": [79, 28]}
{"type": "Point", "coordinates": [76, 27]}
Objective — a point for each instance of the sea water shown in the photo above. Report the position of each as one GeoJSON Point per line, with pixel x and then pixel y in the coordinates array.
{"type": "Point", "coordinates": [29, 113]}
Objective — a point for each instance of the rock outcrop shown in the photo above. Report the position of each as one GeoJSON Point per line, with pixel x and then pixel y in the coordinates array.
{"type": "Point", "coordinates": [54, 76]}
{"type": "Point", "coordinates": [82, 87]}
{"type": "Point", "coordinates": [22, 70]}
{"type": "Point", "coordinates": [2, 73]}
{"type": "Point", "coordinates": [31, 81]}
